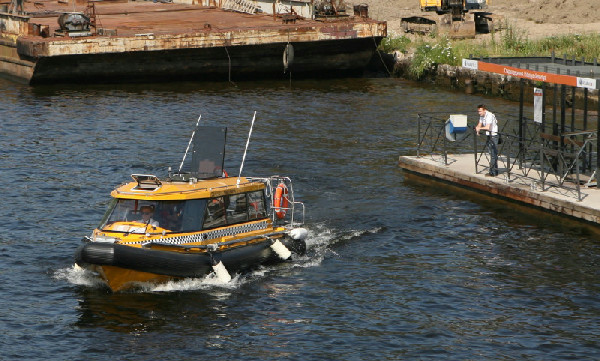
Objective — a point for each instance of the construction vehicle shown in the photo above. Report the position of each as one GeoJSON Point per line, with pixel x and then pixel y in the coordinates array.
{"type": "Point", "coordinates": [456, 18]}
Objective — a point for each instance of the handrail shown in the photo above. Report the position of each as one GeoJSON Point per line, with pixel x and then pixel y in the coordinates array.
{"type": "Point", "coordinates": [269, 182]}
{"type": "Point", "coordinates": [564, 155]}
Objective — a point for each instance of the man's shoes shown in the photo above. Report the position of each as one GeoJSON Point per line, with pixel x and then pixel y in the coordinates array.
{"type": "Point", "coordinates": [490, 175]}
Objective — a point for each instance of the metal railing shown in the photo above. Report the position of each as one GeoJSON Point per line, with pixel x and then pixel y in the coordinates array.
{"type": "Point", "coordinates": [431, 136]}
{"type": "Point", "coordinates": [295, 211]}
{"type": "Point", "coordinates": [563, 160]}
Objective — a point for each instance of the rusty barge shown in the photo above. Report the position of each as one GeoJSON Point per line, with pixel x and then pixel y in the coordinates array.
{"type": "Point", "coordinates": [55, 41]}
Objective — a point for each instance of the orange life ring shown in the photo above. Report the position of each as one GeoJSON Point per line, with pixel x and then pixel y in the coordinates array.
{"type": "Point", "coordinates": [280, 201]}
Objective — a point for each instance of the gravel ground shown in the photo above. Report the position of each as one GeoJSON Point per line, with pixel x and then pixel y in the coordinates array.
{"type": "Point", "coordinates": [537, 18]}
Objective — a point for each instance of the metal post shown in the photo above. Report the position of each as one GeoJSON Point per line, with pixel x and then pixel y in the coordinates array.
{"type": "Point", "coordinates": [572, 114]}
{"type": "Point", "coordinates": [585, 107]}
{"type": "Point", "coordinates": [554, 106]}
{"type": "Point", "coordinates": [598, 146]}
{"type": "Point", "coordinates": [475, 148]}
{"type": "Point", "coordinates": [543, 126]}
{"type": "Point", "coordinates": [418, 135]}
{"type": "Point", "coordinates": [563, 116]}
{"type": "Point", "coordinates": [542, 163]}
{"type": "Point", "coordinates": [573, 109]}
{"type": "Point", "coordinates": [508, 167]}
{"type": "Point", "coordinates": [563, 109]}
{"type": "Point", "coordinates": [445, 149]}
{"type": "Point", "coordinates": [578, 185]}
{"type": "Point", "coordinates": [521, 143]}
{"type": "Point", "coordinates": [586, 153]}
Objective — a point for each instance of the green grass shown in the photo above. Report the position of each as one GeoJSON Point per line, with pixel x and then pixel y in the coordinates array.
{"type": "Point", "coordinates": [428, 55]}
{"type": "Point", "coordinates": [389, 45]}
{"type": "Point", "coordinates": [511, 41]}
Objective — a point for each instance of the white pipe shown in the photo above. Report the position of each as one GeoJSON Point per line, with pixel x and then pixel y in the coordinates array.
{"type": "Point", "coordinates": [190, 142]}
{"type": "Point", "coordinates": [245, 150]}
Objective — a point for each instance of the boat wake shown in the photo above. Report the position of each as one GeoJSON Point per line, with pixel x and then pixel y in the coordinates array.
{"type": "Point", "coordinates": [319, 244]}
{"type": "Point", "coordinates": [78, 276]}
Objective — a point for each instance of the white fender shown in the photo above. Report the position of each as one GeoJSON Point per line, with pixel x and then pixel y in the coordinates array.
{"type": "Point", "coordinates": [288, 56]}
{"type": "Point", "coordinates": [281, 250]}
{"type": "Point", "coordinates": [221, 272]}
{"type": "Point", "coordinates": [299, 233]}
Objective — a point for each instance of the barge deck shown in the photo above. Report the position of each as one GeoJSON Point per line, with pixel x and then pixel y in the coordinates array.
{"type": "Point", "coordinates": [156, 41]}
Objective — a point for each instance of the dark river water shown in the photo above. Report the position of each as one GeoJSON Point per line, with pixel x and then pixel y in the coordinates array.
{"type": "Point", "coordinates": [397, 267]}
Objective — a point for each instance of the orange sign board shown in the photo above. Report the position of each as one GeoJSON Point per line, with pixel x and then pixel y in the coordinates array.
{"type": "Point", "coordinates": [531, 74]}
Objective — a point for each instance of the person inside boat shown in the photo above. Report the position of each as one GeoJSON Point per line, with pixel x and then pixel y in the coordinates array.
{"type": "Point", "coordinates": [147, 214]}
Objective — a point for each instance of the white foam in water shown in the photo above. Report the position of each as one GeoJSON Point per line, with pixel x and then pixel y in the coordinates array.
{"type": "Point", "coordinates": [320, 239]}
{"type": "Point", "coordinates": [211, 281]}
{"type": "Point", "coordinates": [318, 242]}
{"type": "Point", "coordinates": [78, 276]}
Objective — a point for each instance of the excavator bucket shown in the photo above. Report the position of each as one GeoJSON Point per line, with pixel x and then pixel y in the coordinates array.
{"type": "Point", "coordinates": [424, 24]}
{"type": "Point", "coordinates": [486, 22]}
{"type": "Point", "coordinates": [442, 24]}
{"type": "Point", "coordinates": [454, 18]}
{"type": "Point", "coordinates": [457, 29]}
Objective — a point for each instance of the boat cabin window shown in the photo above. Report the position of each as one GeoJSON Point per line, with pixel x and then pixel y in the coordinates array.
{"type": "Point", "coordinates": [237, 210]}
{"type": "Point", "coordinates": [193, 212]}
{"type": "Point", "coordinates": [141, 216]}
{"type": "Point", "coordinates": [256, 208]}
{"type": "Point", "coordinates": [215, 213]}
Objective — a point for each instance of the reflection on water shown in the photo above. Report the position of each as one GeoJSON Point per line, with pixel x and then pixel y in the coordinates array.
{"type": "Point", "coordinates": [397, 268]}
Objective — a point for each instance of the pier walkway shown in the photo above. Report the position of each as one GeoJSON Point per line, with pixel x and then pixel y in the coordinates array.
{"type": "Point", "coordinates": [546, 162]}
{"type": "Point", "coordinates": [518, 186]}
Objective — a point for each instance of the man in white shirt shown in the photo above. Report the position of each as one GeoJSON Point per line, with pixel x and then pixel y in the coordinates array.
{"type": "Point", "coordinates": [147, 213]}
{"type": "Point", "coordinates": [488, 122]}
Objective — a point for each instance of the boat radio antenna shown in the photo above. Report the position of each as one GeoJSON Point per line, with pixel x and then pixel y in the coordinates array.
{"type": "Point", "coordinates": [190, 142]}
{"type": "Point", "coordinates": [245, 150]}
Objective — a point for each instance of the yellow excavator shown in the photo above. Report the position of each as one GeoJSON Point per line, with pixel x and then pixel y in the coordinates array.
{"type": "Point", "coordinates": [456, 18]}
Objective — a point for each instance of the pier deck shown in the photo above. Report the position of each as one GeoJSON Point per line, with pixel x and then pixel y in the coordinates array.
{"type": "Point", "coordinates": [526, 189]}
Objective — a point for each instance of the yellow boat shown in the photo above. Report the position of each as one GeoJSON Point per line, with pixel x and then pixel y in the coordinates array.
{"type": "Point", "coordinates": [191, 224]}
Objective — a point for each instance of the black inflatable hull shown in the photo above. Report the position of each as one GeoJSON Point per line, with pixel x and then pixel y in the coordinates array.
{"type": "Point", "coordinates": [178, 264]}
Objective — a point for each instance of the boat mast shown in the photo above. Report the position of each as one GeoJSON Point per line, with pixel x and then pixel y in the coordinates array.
{"type": "Point", "coordinates": [190, 142]}
{"type": "Point", "coordinates": [245, 150]}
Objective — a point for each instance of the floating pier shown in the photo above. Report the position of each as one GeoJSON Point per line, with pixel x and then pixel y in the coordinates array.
{"type": "Point", "coordinates": [546, 162]}
{"type": "Point", "coordinates": [523, 188]}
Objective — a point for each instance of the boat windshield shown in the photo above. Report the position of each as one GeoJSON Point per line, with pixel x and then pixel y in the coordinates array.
{"type": "Point", "coordinates": [140, 216]}
{"type": "Point", "coordinates": [192, 215]}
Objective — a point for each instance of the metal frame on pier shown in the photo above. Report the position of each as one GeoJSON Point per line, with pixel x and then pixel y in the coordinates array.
{"type": "Point", "coordinates": [557, 79]}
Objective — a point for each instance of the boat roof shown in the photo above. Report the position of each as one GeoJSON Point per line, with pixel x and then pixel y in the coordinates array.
{"type": "Point", "coordinates": [146, 187]}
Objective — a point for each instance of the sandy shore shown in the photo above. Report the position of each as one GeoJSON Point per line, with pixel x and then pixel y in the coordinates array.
{"type": "Point", "coordinates": [536, 18]}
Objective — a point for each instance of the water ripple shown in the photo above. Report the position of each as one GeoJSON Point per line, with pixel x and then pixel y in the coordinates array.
{"type": "Point", "coordinates": [397, 268]}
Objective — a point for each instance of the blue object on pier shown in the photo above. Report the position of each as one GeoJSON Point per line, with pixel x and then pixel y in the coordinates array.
{"type": "Point", "coordinates": [456, 127]}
